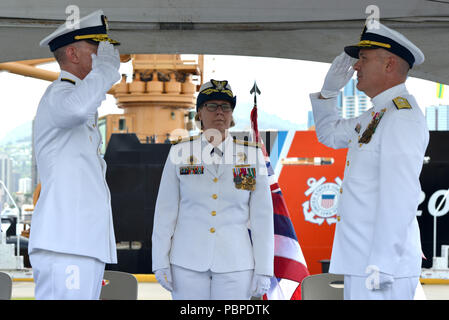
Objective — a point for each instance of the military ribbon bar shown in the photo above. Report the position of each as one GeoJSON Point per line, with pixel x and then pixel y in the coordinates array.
{"type": "Point", "coordinates": [191, 170]}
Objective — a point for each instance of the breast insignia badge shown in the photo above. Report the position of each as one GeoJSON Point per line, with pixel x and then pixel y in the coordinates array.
{"type": "Point", "coordinates": [191, 160]}
{"type": "Point", "coordinates": [242, 157]}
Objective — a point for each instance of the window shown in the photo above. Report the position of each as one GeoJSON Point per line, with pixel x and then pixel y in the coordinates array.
{"type": "Point", "coordinates": [122, 124]}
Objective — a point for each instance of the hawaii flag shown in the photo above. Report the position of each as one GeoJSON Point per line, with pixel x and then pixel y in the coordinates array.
{"type": "Point", "coordinates": [289, 263]}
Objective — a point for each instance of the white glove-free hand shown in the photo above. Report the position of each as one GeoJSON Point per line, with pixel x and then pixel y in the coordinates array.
{"type": "Point", "coordinates": [260, 285]}
{"type": "Point", "coordinates": [338, 75]}
{"type": "Point", "coordinates": [163, 276]}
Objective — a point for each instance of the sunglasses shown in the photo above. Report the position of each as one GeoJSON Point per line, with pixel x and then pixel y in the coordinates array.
{"type": "Point", "coordinates": [226, 107]}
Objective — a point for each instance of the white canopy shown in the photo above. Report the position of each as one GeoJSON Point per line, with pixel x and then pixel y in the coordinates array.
{"type": "Point", "coordinates": [296, 29]}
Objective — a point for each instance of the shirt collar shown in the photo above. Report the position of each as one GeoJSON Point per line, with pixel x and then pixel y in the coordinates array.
{"type": "Point", "coordinates": [383, 99]}
{"type": "Point", "coordinates": [222, 146]}
{"type": "Point", "coordinates": [68, 75]}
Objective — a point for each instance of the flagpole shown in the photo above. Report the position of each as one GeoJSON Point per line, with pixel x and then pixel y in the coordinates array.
{"type": "Point", "coordinates": [289, 269]}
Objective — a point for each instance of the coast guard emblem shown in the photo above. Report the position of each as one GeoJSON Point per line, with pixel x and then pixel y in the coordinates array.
{"type": "Point", "coordinates": [323, 201]}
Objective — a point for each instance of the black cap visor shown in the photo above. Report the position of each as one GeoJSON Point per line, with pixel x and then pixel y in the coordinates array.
{"type": "Point", "coordinates": [353, 51]}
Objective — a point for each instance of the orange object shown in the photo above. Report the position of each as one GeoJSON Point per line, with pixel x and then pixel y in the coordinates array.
{"type": "Point", "coordinates": [36, 193]}
{"type": "Point", "coordinates": [311, 192]}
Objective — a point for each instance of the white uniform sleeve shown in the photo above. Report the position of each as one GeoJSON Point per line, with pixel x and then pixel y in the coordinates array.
{"type": "Point", "coordinates": [331, 130]}
{"type": "Point", "coordinates": [261, 221]}
{"type": "Point", "coordinates": [71, 106]}
{"type": "Point", "coordinates": [165, 215]}
{"type": "Point", "coordinates": [402, 150]}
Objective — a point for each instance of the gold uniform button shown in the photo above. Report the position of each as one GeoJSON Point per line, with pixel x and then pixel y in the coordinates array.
{"type": "Point", "coordinates": [338, 218]}
{"type": "Point", "coordinates": [341, 190]}
{"type": "Point", "coordinates": [215, 179]}
{"type": "Point", "coordinates": [347, 163]}
{"type": "Point", "coordinates": [212, 230]}
{"type": "Point", "coordinates": [214, 196]}
{"type": "Point", "coordinates": [214, 213]}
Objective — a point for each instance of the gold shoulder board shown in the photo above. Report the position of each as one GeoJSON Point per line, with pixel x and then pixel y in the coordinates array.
{"type": "Point", "coordinates": [247, 143]}
{"type": "Point", "coordinates": [401, 103]}
{"type": "Point", "coordinates": [180, 139]}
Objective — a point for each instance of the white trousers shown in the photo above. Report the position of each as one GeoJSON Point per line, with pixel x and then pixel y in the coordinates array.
{"type": "Point", "coordinates": [60, 276]}
{"type": "Point", "coordinates": [194, 285]}
{"type": "Point", "coordinates": [355, 288]}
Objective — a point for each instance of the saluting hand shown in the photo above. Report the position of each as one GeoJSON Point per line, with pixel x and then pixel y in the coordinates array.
{"type": "Point", "coordinates": [106, 53]}
{"type": "Point", "coordinates": [338, 75]}
{"type": "Point", "coordinates": [107, 60]}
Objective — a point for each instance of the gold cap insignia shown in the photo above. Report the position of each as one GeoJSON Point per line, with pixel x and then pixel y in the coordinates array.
{"type": "Point", "coordinates": [104, 19]}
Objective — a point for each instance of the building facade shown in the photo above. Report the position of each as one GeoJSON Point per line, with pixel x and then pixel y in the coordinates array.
{"type": "Point", "coordinates": [437, 118]}
{"type": "Point", "coordinates": [25, 185]}
{"type": "Point", "coordinates": [6, 171]}
{"type": "Point", "coordinates": [352, 102]}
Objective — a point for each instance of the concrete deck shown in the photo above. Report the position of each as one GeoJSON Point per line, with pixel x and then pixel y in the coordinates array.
{"type": "Point", "coordinates": [153, 291]}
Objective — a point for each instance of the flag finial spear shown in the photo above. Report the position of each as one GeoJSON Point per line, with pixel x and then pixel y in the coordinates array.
{"type": "Point", "coordinates": [255, 130]}
{"type": "Point", "coordinates": [256, 91]}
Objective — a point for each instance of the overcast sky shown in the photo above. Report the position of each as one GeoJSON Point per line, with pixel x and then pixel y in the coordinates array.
{"type": "Point", "coordinates": [285, 86]}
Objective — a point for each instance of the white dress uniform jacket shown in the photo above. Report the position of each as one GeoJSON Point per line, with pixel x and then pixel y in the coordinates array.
{"type": "Point", "coordinates": [380, 193]}
{"type": "Point", "coordinates": [201, 220]}
{"type": "Point", "coordinates": [73, 214]}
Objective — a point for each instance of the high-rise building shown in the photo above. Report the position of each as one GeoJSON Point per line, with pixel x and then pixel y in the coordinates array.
{"type": "Point", "coordinates": [431, 117]}
{"type": "Point", "coordinates": [25, 185]}
{"type": "Point", "coordinates": [352, 102]}
{"type": "Point", "coordinates": [6, 171]}
{"type": "Point", "coordinates": [443, 118]}
{"type": "Point", "coordinates": [437, 118]}
{"type": "Point", "coordinates": [310, 119]}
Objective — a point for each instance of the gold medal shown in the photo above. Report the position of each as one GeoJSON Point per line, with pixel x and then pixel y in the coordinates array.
{"type": "Point", "coordinates": [368, 133]}
{"type": "Point", "coordinates": [245, 178]}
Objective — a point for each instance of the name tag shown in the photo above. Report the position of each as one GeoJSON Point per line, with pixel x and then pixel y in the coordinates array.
{"type": "Point", "coordinates": [191, 170]}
